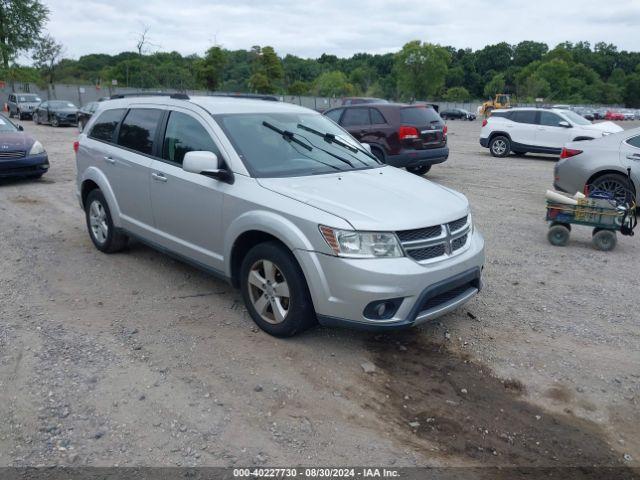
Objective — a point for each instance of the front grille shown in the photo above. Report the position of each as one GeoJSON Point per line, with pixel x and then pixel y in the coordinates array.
{"type": "Point", "coordinates": [423, 244]}
{"type": "Point", "coordinates": [458, 224]}
{"type": "Point", "coordinates": [420, 233]}
{"type": "Point", "coordinates": [5, 154]}
{"type": "Point", "coordinates": [445, 297]}
{"type": "Point", "coordinates": [421, 254]}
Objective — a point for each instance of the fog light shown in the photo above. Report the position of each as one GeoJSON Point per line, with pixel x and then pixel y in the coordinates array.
{"type": "Point", "coordinates": [382, 309]}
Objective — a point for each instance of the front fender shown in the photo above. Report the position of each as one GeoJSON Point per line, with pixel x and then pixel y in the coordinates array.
{"type": "Point", "coordinates": [96, 176]}
{"type": "Point", "coordinates": [269, 222]}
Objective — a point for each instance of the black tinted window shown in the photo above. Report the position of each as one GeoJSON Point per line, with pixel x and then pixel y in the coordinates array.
{"type": "Point", "coordinates": [501, 114]}
{"type": "Point", "coordinates": [524, 116]}
{"type": "Point", "coordinates": [185, 134]}
{"type": "Point", "coordinates": [139, 129]}
{"type": "Point", "coordinates": [634, 141]}
{"type": "Point", "coordinates": [419, 116]}
{"type": "Point", "coordinates": [355, 116]}
{"type": "Point", "coordinates": [106, 125]}
{"type": "Point", "coordinates": [376, 117]}
{"type": "Point", "coordinates": [549, 119]}
{"type": "Point", "coordinates": [335, 114]}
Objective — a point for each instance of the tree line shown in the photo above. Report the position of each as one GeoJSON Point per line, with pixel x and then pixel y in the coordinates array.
{"type": "Point", "coordinates": [568, 72]}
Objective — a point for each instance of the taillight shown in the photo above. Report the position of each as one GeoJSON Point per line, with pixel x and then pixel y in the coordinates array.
{"type": "Point", "coordinates": [76, 146]}
{"type": "Point", "coordinates": [569, 152]}
{"type": "Point", "coordinates": [408, 133]}
{"type": "Point", "coordinates": [484, 122]}
{"type": "Point", "coordinates": [444, 130]}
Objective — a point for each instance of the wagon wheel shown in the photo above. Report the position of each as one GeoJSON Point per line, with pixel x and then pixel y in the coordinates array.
{"type": "Point", "coordinates": [604, 240]}
{"type": "Point", "coordinates": [558, 234]}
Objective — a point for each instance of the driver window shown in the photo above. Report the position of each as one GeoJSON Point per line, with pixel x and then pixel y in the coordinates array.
{"type": "Point", "coordinates": [185, 134]}
{"type": "Point", "coordinates": [549, 119]}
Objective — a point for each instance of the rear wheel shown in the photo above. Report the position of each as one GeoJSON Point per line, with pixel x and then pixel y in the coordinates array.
{"type": "Point", "coordinates": [275, 290]}
{"type": "Point", "coordinates": [615, 184]}
{"type": "Point", "coordinates": [420, 170]}
{"type": "Point", "coordinates": [500, 146]}
{"type": "Point", "coordinates": [104, 235]}
{"type": "Point", "coordinates": [558, 234]}
{"type": "Point", "coordinates": [604, 240]}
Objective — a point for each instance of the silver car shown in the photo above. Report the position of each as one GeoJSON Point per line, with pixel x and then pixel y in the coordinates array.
{"type": "Point", "coordinates": [22, 105]}
{"type": "Point", "coordinates": [602, 164]}
{"type": "Point", "coordinates": [282, 203]}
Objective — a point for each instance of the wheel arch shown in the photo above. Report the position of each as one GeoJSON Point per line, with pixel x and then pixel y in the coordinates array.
{"type": "Point", "coordinates": [492, 135]}
{"type": "Point", "coordinates": [94, 178]}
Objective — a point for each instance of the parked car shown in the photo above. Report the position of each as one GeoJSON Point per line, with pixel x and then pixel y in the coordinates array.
{"type": "Point", "coordinates": [538, 130]}
{"type": "Point", "coordinates": [56, 113]}
{"type": "Point", "coordinates": [628, 114]}
{"type": "Point", "coordinates": [282, 203]}
{"type": "Point", "coordinates": [405, 136]}
{"type": "Point", "coordinates": [457, 114]}
{"type": "Point", "coordinates": [22, 105]}
{"type": "Point", "coordinates": [361, 100]}
{"type": "Point", "coordinates": [21, 155]}
{"type": "Point", "coordinates": [85, 113]}
{"type": "Point", "coordinates": [601, 164]}
{"type": "Point", "coordinates": [587, 113]}
{"type": "Point", "coordinates": [613, 115]}
{"type": "Point", "coordinates": [599, 113]}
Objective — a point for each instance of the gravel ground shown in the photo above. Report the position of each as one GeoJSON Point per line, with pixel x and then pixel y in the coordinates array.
{"type": "Point", "coordinates": [137, 359]}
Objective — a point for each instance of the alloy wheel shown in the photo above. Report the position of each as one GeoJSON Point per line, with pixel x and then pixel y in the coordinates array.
{"type": "Point", "coordinates": [98, 222]}
{"type": "Point", "coordinates": [269, 291]}
{"type": "Point", "coordinates": [499, 147]}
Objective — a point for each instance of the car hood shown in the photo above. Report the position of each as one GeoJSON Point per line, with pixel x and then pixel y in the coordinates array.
{"type": "Point", "coordinates": [378, 199]}
{"type": "Point", "coordinates": [609, 127]}
{"type": "Point", "coordinates": [63, 110]}
{"type": "Point", "coordinates": [15, 141]}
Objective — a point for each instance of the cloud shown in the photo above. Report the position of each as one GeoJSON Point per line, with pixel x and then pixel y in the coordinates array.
{"type": "Point", "coordinates": [339, 27]}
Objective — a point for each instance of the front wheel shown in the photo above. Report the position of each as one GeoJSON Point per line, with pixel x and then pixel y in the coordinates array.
{"type": "Point", "coordinates": [275, 291]}
{"type": "Point", "coordinates": [420, 170]}
{"type": "Point", "coordinates": [55, 122]}
{"type": "Point", "coordinates": [500, 146]}
{"type": "Point", "coordinates": [604, 240]}
{"type": "Point", "coordinates": [558, 234]}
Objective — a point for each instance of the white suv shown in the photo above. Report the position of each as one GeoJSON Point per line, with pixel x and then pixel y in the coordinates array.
{"type": "Point", "coordinates": [538, 130]}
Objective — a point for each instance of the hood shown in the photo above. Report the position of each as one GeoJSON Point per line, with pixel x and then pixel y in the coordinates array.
{"type": "Point", "coordinates": [379, 199]}
{"type": "Point", "coordinates": [64, 110]}
{"type": "Point", "coordinates": [609, 127]}
{"type": "Point", "coordinates": [15, 141]}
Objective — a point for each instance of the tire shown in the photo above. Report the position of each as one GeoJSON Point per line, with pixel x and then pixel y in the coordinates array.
{"type": "Point", "coordinates": [271, 261]}
{"type": "Point", "coordinates": [35, 119]}
{"type": "Point", "coordinates": [616, 184]}
{"type": "Point", "coordinates": [80, 126]}
{"type": "Point", "coordinates": [420, 170]}
{"type": "Point", "coordinates": [558, 235]}
{"type": "Point", "coordinates": [19, 115]}
{"type": "Point", "coordinates": [98, 217]}
{"type": "Point", "coordinates": [379, 154]}
{"type": "Point", "coordinates": [500, 146]}
{"type": "Point", "coordinates": [10, 114]}
{"type": "Point", "coordinates": [54, 122]}
{"type": "Point", "coordinates": [604, 240]}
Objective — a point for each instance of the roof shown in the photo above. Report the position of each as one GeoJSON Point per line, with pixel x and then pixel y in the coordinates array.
{"type": "Point", "coordinates": [213, 104]}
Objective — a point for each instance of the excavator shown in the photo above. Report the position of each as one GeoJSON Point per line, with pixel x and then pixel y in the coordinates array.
{"type": "Point", "coordinates": [502, 100]}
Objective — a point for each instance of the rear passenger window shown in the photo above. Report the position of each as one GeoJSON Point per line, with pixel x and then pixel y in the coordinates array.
{"type": "Point", "coordinates": [549, 119]}
{"type": "Point", "coordinates": [419, 116]}
{"type": "Point", "coordinates": [185, 134]}
{"type": "Point", "coordinates": [634, 141]}
{"type": "Point", "coordinates": [139, 129]}
{"type": "Point", "coordinates": [376, 117]}
{"type": "Point", "coordinates": [106, 124]}
{"type": "Point", "coordinates": [355, 116]}
{"type": "Point", "coordinates": [500, 114]}
{"type": "Point", "coordinates": [524, 116]}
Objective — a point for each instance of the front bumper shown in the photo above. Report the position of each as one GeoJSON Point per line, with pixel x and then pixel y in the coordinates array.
{"type": "Point", "coordinates": [341, 288]}
{"type": "Point", "coordinates": [417, 158]}
{"type": "Point", "coordinates": [24, 167]}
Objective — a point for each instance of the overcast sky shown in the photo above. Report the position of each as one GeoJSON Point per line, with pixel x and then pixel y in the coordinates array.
{"type": "Point", "coordinates": [309, 28]}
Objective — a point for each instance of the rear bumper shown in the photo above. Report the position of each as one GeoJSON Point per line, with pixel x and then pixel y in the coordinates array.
{"type": "Point", "coordinates": [416, 158]}
{"type": "Point", "coordinates": [24, 167]}
{"type": "Point", "coordinates": [484, 142]}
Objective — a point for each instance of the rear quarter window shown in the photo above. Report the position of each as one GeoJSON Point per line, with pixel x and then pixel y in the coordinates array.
{"type": "Point", "coordinates": [634, 141]}
{"type": "Point", "coordinates": [419, 116]}
{"type": "Point", "coordinates": [105, 125]}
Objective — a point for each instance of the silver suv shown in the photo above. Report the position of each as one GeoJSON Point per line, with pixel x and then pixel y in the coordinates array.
{"type": "Point", "coordinates": [282, 203]}
{"type": "Point", "coordinates": [22, 105]}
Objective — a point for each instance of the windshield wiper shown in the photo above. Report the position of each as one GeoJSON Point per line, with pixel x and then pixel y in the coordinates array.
{"type": "Point", "coordinates": [331, 138]}
{"type": "Point", "coordinates": [287, 135]}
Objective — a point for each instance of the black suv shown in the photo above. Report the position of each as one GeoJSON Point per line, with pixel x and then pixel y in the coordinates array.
{"type": "Point", "coordinates": [410, 136]}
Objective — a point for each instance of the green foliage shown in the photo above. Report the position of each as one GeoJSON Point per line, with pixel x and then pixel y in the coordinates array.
{"type": "Point", "coordinates": [210, 68]}
{"type": "Point", "coordinates": [46, 55]}
{"type": "Point", "coordinates": [421, 69]}
{"type": "Point", "coordinates": [333, 84]}
{"type": "Point", "coordinates": [20, 24]}
{"type": "Point", "coordinates": [457, 94]}
{"type": "Point", "coordinates": [299, 88]}
{"type": "Point", "coordinates": [632, 90]}
{"type": "Point", "coordinates": [495, 86]}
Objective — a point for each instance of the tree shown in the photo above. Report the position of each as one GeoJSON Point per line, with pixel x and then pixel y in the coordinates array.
{"type": "Point", "coordinates": [46, 55]}
{"type": "Point", "coordinates": [143, 40]}
{"type": "Point", "coordinates": [259, 83]}
{"type": "Point", "coordinates": [494, 57]}
{"type": "Point", "coordinates": [211, 67]}
{"type": "Point", "coordinates": [20, 24]}
{"type": "Point", "coordinates": [632, 90]}
{"type": "Point", "coordinates": [421, 69]}
{"type": "Point", "coordinates": [457, 94]}
{"type": "Point", "coordinates": [298, 88]}
{"type": "Point", "coordinates": [528, 51]}
{"type": "Point", "coordinates": [495, 86]}
{"type": "Point", "coordinates": [333, 84]}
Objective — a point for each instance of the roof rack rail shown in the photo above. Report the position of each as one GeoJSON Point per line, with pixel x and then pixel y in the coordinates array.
{"type": "Point", "coordinates": [177, 96]}
{"type": "Point", "coordinates": [254, 96]}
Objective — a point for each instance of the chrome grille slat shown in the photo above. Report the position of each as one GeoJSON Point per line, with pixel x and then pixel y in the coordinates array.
{"type": "Point", "coordinates": [437, 241]}
{"type": "Point", "coordinates": [5, 154]}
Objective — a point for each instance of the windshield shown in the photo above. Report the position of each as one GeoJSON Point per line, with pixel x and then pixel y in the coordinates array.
{"type": "Point", "coordinates": [419, 116]}
{"type": "Point", "coordinates": [267, 149]}
{"type": "Point", "coordinates": [575, 118]}
{"type": "Point", "coordinates": [29, 98]}
{"type": "Point", "coordinates": [6, 126]}
{"type": "Point", "coordinates": [61, 104]}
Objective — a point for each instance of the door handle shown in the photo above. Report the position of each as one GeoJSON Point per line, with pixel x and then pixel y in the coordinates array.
{"type": "Point", "coordinates": [109, 159]}
{"type": "Point", "coordinates": [159, 177]}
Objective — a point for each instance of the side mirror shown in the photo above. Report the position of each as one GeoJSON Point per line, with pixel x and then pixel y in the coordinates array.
{"type": "Point", "coordinates": [20, 128]}
{"type": "Point", "coordinates": [207, 164]}
{"type": "Point", "coordinates": [564, 124]}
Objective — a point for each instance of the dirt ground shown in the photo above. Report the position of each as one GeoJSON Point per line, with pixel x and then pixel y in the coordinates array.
{"type": "Point", "coordinates": [138, 359]}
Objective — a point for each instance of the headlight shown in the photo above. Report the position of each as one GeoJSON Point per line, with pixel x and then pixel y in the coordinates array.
{"type": "Point", "coordinates": [349, 243]}
{"type": "Point", "coordinates": [36, 148]}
